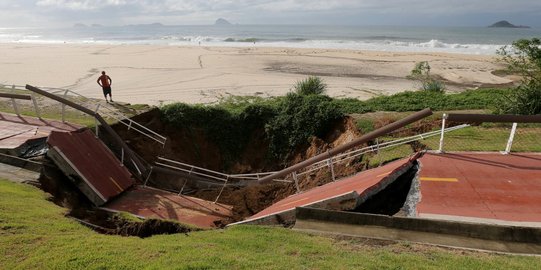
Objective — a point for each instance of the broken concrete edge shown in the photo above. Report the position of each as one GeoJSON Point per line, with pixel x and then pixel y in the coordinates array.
{"type": "Point", "coordinates": [414, 193]}
{"type": "Point", "coordinates": [387, 180]}
{"type": "Point", "coordinates": [346, 201]}
{"type": "Point", "coordinates": [21, 162]}
{"type": "Point", "coordinates": [72, 173]}
{"type": "Point", "coordinates": [518, 234]}
{"type": "Point", "coordinates": [288, 215]}
{"type": "Point", "coordinates": [110, 210]}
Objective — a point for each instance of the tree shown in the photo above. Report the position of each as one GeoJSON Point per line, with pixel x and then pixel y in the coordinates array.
{"type": "Point", "coordinates": [523, 57]}
{"type": "Point", "coordinates": [421, 73]}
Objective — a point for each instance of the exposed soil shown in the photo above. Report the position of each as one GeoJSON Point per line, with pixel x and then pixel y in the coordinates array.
{"type": "Point", "coordinates": [65, 193]}
{"type": "Point", "coordinates": [190, 145]}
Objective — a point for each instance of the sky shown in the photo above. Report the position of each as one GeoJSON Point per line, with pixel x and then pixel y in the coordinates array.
{"type": "Point", "coordinates": [55, 13]}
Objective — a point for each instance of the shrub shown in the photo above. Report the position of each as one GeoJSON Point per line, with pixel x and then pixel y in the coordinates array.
{"type": "Point", "coordinates": [523, 57]}
{"type": "Point", "coordinates": [312, 85]}
{"type": "Point", "coordinates": [298, 119]}
{"type": "Point", "coordinates": [526, 99]}
{"type": "Point", "coordinates": [421, 73]}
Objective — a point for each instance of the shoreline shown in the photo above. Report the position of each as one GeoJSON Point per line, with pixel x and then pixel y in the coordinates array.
{"type": "Point", "coordinates": [158, 74]}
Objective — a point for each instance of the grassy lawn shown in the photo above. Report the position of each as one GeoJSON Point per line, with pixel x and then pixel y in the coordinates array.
{"type": "Point", "coordinates": [34, 234]}
{"type": "Point", "coordinates": [479, 138]}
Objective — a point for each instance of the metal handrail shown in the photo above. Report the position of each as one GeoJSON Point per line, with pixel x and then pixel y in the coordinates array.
{"type": "Point", "coordinates": [345, 147]}
{"type": "Point", "coordinates": [105, 111]}
{"type": "Point", "coordinates": [191, 169]}
{"type": "Point", "coordinates": [119, 117]}
{"type": "Point", "coordinates": [314, 167]}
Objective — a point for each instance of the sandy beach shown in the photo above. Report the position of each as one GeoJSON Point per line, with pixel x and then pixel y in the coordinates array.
{"type": "Point", "coordinates": [153, 74]}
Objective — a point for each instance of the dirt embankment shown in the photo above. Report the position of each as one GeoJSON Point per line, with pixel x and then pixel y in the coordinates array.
{"type": "Point", "coordinates": [190, 145]}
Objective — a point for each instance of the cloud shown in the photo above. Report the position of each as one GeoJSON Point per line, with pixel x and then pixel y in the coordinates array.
{"type": "Point", "coordinates": [258, 11]}
{"type": "Point", "coordinates": [81, 4]}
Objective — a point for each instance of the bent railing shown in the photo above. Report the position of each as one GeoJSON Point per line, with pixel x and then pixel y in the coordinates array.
{"type": "Point", "coordinates": [140, 167]}
{"type": "Point", "coordinates": [365, 138]}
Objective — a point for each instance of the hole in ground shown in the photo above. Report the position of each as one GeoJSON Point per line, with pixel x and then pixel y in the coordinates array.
{"type": "Point", "coordinates": [65, 194]}
{"type": "Point", "coordinates": [391, 199]}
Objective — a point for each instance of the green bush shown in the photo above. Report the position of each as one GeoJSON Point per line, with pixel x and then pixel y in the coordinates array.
{"type": "Point", "coordinates": [288, 122]}
{"type": "Point", "coordinates": [525, 99]}
{"type": "Point", "coordinates": [421, 73]}
{"type": "Point", "coordinates": [523, 58]}
{"type": "Point", "coordinates": [312, 85]}
{"type": "Point", "coordinates": [230, 130]}
{"type": "Point", "coordinates": [299, 118]}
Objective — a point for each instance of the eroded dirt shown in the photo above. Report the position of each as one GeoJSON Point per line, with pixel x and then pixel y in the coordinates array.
{"type": "Point", "coordinates": [190, 145]}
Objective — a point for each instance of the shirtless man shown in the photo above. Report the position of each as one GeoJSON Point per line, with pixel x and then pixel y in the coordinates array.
{"type": "Point", "coordinates": [105, 82]}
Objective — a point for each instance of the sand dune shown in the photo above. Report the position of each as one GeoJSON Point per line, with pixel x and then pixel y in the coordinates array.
{"type": "Point", "coordinates": [163, 74]}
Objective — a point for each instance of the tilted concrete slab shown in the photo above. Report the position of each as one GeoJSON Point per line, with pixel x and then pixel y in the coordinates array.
{"type": "Point", "coordinates": [153, 203]}
{"type": "Point", "coordinates": [89, 164]}
{"type": "Point", "coordinates": [345, 194]}
{"type": "Point", "coordinates": [481, 187]}
{"type": "Point", "coordinates": [15, 130]}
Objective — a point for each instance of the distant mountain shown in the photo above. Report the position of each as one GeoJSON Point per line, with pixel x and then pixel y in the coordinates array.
{"type": "Point", "coordinates": [96, 25]}
{"type": "Point", "coordinates": [222, 21]}
{"type": "Point", "coordinates": [506, 24]}
{"type": "Point", "coordinates": [80, 25]}
{"type": "Point", "coordinates": [146, 25]}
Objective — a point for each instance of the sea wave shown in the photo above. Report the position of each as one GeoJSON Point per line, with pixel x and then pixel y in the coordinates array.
{"type": "Point", "coordinates": [383, 43]}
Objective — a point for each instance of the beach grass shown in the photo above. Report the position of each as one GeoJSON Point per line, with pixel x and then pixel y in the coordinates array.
{"type": "Point", "coordinates": [35, 234]}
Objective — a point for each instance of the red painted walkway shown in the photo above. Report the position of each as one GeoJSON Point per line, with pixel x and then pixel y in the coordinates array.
{"type": "Point", "coordinates": [361, 183]}
{"type": "Point", "coordinates": [490, 187]}
{"type": "Point", "coordinates": [153, 203]}
{"type": "Point", "coordinates": [15, 130]}
{"type": "Point", "coordinates": [83, 154]}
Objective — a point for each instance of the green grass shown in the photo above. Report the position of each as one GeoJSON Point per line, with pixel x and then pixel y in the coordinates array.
{"type": "Point", "coordinates": [34, 234]}
{"type": "Point", "coordinates": [418, 100]}
{"type": "Point", "coordinates": [479, 138]}
{"type": "Point", "coordinates": [388, 154]}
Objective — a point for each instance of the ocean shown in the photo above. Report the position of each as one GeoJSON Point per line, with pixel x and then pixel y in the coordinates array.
{"type": "Point", "coordinates": [468, 40]}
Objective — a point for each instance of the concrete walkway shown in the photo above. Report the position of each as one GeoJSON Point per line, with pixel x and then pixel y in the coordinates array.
{"type": "Point", "coordinates": [481, 187]}
{"type": "Point", "coordinates": [344, 194]}
{"type": "Point", "coordinates": [17, 130]}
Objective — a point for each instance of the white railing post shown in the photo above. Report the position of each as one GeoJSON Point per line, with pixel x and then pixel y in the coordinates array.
{"type": "Point", "coordinates": [148, 176]}
{"type": "Point", "coordinates": [64, 107]}
{"type": "Point", "coordinates": [15, 107]}
{"type": "Point", "coordinates": [444, 117]}
{"type": "Point", "coordinates": [331, 167]}
{"type": "Point", "coordinates": [294, 175]}
{"type": "Point", "coordinates": [511, 138]}
{"type": "Point", "coordinates": [182, 188]}
{"type": "Point", "coordinates": [219, 194]}
{"type": "Point", "coordinates": [36, 108]}
{"type": "Point", "coordinates": [97, 127]}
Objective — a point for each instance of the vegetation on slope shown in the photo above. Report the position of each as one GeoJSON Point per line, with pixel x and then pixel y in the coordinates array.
{"type": "Point", "coordinates": [35, 234]}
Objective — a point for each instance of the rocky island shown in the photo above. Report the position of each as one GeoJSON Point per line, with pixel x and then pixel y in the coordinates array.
{"type": "Point", "coordinates": [506, 24]}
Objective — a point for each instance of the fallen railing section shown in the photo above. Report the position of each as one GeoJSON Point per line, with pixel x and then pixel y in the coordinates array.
{"type": "Point", "coordinates": [104, 110]}
{"type": "Point", "coordinates": [140, 167]}
{"type": "Point", "coordinates": [333, 152]}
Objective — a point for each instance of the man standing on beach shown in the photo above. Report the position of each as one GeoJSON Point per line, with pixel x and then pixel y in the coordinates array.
{"type": "Point", "coordinates": [105, 82]}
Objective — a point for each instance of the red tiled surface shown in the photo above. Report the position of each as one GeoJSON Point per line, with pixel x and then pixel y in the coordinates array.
{"type": "Point", "coordinates": [152, 203]}
{"type": "Point", "coordinates": [15, 130]}
{"type": "Point", "coordinates": [359, 183]}
{"type": "Point", "coordinates": [491, 186]}
{"type": "Point", "coordinates": [93, 160]}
